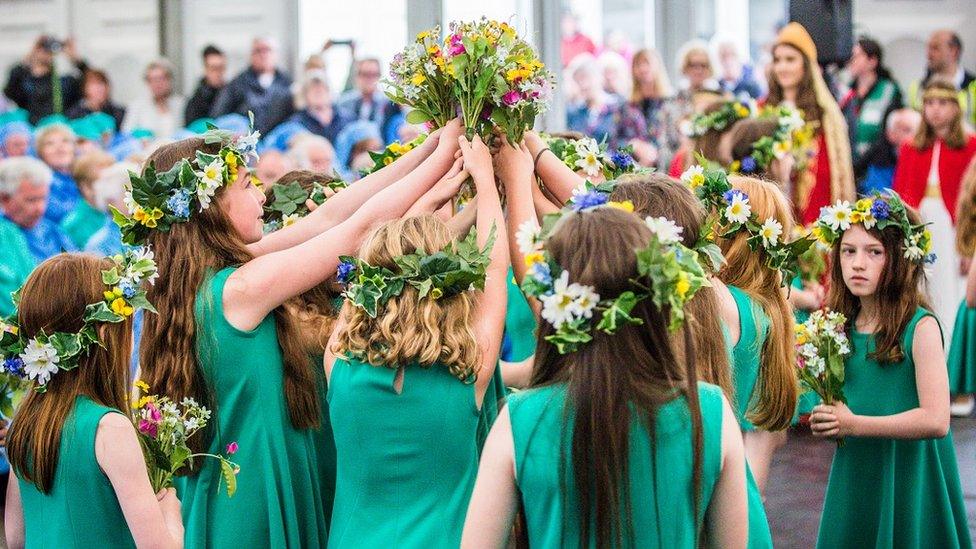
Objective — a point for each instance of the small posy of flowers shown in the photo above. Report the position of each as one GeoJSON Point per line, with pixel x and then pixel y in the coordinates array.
{"type": "Point", "coordinates": [164, 428]}
{"type": "Point", "coordinates": [731, 212]}
{"type": "Point", "coordinates": [792, 136]}
{"type": "Point", "coordinates": [591, 158]}
{"type": "Point", "coordinates": [391, 153]}
{"type": "Point", "coordinates": [821, 347]}
{"type": "Point", "coordinates": [670, 274]}
{"type": "Point", "coordinates": [721, 118]}
{"type": "Point", "coordinates": [38, 358]}
{"type": "Point", "coordinates": [879, 211]}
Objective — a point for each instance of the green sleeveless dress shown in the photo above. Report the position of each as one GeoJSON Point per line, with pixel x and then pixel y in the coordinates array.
{"type": "Point", "coordinates": [406, 462]}
{"type": "Point", "coordinates": [660, 482]}
{"type": "Point", "coordinates": [962, 352]}
{"type": "Point", "coordinates": [520, 324]}
{"type": "Point", "coordinates": [82, 507]}
{"type": "Point", "coordinates": [808, 399]}
{"type": "Point", "coordinates": [278, 501]}
{"type": "Point", "coordinates": [885, 492]}
{"type": "Point", "coordinates": [746, 353]}
{"type": "Point", "coordinates": [324, 442]}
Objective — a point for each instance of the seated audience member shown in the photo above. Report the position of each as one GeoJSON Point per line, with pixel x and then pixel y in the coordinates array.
{"type": "Point", "coordinates": [96, 97]}
{"type": "Point", "coordinates": [201, 102]}
{"type": "Point", "coordinates": [272, 165]}
{"type": "Point", "coordinates": [86, 219]}
{"type": "Point", "coordinates": [109, 190]}
{"type": "Point", "coordinates": [56, 145]}
{"type": "Point", "coordinates": [353, 146]}
{"type": "Point", "coordinates": [161, 111]}
{"type": "Point", "coordinates": [312, 152]}
{"type": "Point", "coordinates": [15, 139]}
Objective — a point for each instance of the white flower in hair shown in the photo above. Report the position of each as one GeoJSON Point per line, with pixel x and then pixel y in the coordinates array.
{"type": "Point", "coordinates": [914, 253]}
{"type": "Point", "coordinates": [782, 148]}
{"type": "Point", "coordinates": [289, 219]}
{"type": "Point", "coordinates": [127, 200]}
{"type": "Point", "coordinates": [739, 209]}
{"type": "Point", "coordinates": [770, 231]}
{"type": "Point", "coordinates": [557, 307]}
{"type": "Point", "coordinates": [585, 300]}
{"type": "Point", "coordinates": [40, 361]}
{"type": "Point", "coordinates": [693, 176]}
{"type": "Point", "coordinates": [665, 229]}
{"type": "Point", "coordinates": [792, 121]}
{"type": "Point", "coordinates": [526, 237]}
{"type": "Point", "coordinates": [211, 178]}
{"type": "Point", "coordinates": [589, 161]}
{"type": "Point", "coordinates": [838, 216]}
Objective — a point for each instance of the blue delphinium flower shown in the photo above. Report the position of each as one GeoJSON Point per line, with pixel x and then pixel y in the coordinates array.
{"type": "Point", "coordinates": [731, 195]}
{"type": "Point", "coordinates": [880, 209]}
{"type": "Point", "coordinates": [589, 199]}
{"type": "Point", "coordinates": [748, 164]}
{"type": "Point", "coordinates": [179, 204]}
{"type": "Point", "coordinates": [345, 271]}
{"type": "Point", "coordinates": [622, 160]}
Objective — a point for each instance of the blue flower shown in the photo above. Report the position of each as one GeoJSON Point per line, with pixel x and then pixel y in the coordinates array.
{"type": "Point", "coordinates": [930, 259]}
{"type": "Point", "coordinates": [14, 365]}
{"type": "Point", "coordinates": [542, 273]}
{"type": "Point", "coordinates": [880, 209]}
{"type": "Point", "coordinates": [179, 204]}
{"type": "Point", "coordinates": [731, 195]}
{"type": "Point", "coordinates": [748, 164]}
{"type": "Point", "coordinates": [589, 199]}
{"type": "Point", "coordinates": [622, 160]}
{"type": "Point", "coordinates": [128, 288]}
{"type": "Point", "coordinates": [345, 271]}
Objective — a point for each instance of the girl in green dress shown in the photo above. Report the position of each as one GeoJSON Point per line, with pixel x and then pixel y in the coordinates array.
{"type": "Point", "coordinates": [962, 351]}
{"type": "Point", "coordinates": [596, 453]}
{"type": "Point", "coordinates": [78, 474]}
{"type": "Point", "coordinates": [894, 482]}
{"type": "Point", "coordinates": [408, 368]}
{"type": "Point", "coordinates": [223, 335]}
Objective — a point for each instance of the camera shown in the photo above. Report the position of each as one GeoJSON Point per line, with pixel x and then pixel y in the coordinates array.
{"type": "Point", "coordinates": [52, 44]}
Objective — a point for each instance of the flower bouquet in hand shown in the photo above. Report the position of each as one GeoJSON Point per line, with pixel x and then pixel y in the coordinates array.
{"type": "Point", "coordinates": [419, 79]}
{"type": "Point", "coordinates": [523, 89]}
{"type": "Point", "coordinates": [821, 345]}
{"type": "Point", "coordinates": [164, 428]}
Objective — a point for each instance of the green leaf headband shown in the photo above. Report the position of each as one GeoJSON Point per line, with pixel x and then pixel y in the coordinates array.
{"type": "Point", "coordinates": [457, 268]}
{"type": "Point", "coordinates": [876, 212]}
{"type": "Point", "coordinates": [591, 157]}
{"type": "Point", "coordinates": [288, 201]}
{"type": "Point", "coordinates": [730, 212]}
{"type": "Point", "coordinates": [674, 272]}
{"type": "Point", "coordinates": [792, 135]}
{"type": "Point", "coordinates": [728, 113]}
{"type": "Point", "coordinates": [43, 355]}
{"type": "Point", "coordinates": [157, 200]}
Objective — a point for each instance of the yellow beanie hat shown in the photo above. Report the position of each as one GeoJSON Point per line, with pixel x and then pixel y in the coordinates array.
{"type": "Point", "coordinates": [795, 35]}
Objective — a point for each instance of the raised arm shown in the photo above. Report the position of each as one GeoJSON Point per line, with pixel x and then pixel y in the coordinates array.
{"type": "Point", "coordinates": [442, 192]}
{"type": "Point", "coordinates": [515, 172]}
{"type": "Point", "coordinates": [556, 176]}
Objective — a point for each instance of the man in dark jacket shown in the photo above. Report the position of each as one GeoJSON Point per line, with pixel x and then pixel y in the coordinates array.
{"type": "Point", "coordinates": [214, 78]}
{"type": "Point", "coordinates": [31, 87]}
{"type": "Point", "coordinates": [261, 89]}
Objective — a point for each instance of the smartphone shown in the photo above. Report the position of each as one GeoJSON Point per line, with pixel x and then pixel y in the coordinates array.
{"type": "Point", "coordinates": [342, 42]}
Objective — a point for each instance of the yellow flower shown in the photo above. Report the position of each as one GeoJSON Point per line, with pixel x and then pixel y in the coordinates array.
{"type": "Point", "coordinates": [433, 50]}
{"type": "Point", "coordinates": [450, 70]}
{"type": "Point", "coordinates": [436, 293]}
{"type": "Point", "coordinates": [418, 79]}
{"type": "Point", "coordinates": [150, 218]}
{"type": "Point", "coordinates": [801, 339]}
{"type": "Point", "coordinates": [533, 258]}
{"type": "Point", "coordinates": [734, 166]}
{"type": "Point", "coordinates": [512, 74]}
{"type": "Point", "coordinates": [396, 148]}
{"type": "Point", "coordinates": [139, 214]}
{"type": "Point", "coordinates": [120, 307]}
{"type": "Point", "coordinates": [856, 217]}
{"type": "Point", "coordinates": [142, 385]}
{"type": "Point", "coordinates": [423, 35]}
{"type": "Point", "coordinates": [683, 285]}
{"type": "Point", "coordinates": [927, 234]}
{"type": "Point", "coordinates": [741, 110]}
{"type": "Point", "coordinates": [112, 294]}
{"type": "Point", "coordinates": [388, 160]}
{"type": "Point", "coordinates": [864, 204]}
{"type": "Point", "coordinates": [231, 159]}
{"type": "Point", "coordinates": [625, 205]}
{"type": "Point", "coordinates": [142, 401]}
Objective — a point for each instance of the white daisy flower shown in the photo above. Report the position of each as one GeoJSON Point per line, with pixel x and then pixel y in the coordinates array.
{"type": "Point", "coordinates": [590, 163]}
{"type": "Point", "coordinates": [739, 209]}
{"type": "Point", "coordinates": [770, 231]}
{"type": "Point", "coordinates": [838, 216]}
{"type": "Point", "coordinates": [914, 253]}
{"type": "Point", "coordinates": [526, 237]}
{"type": "Point", "coordinates": [127, 200]}
{"type": "Point", "coordinates": [585, 300]}
{"type": "Point", "coordinates": [40, 361]}
{"type": "Point", "coordinates": [289, 219]}
{"type": "Point", "coordinates": [694, 176]}
{"type": "Point", "coordinates": [205, 192]}
{"type": "Point", "coordinates": [666, 230]}
{"type": "Point", "coordinates": [213, 173]}
{"type": "Point", "coordinates": [557, 307]}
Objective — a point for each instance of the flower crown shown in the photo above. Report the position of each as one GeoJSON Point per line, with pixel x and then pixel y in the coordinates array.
{"type": "Point", "coordinates": [728, 113]}
{"type": "Point", "coordinates": [674, 271]}
{"type": "Point", "coordinates": [792, 136]}
{"type": "Point", "coordinates": [288, 202]}
{"type": "Point", "coordinates": [591, 157]}
{"type": "Point", "coordinates": [456, 268]}
{"type": "Point", "coordinates": [878, 211]}
{"type": "Point", "coordinates": [43, 355]}
{"type": "Point", "coordinates": [730, 212]}
{"type": "Point", "coordinates": [157, 200]}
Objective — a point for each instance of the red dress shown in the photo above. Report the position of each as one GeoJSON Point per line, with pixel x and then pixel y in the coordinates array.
{"type": "Point", "coordinates": [820, 193]}
{"type": "Point", "coordinates": [912, 173]}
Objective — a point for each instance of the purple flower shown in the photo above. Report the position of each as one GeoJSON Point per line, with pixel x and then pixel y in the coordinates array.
{"type": "Point", "coordinates": [731, 194]}
{"type": "Point", "coordinates": [880, 209]}
{"type": "Point", "coordinates": [457, 46]}
{"type": "Point", "coordinates": [232, 448]}
{"type": "Point", "coordinates": [128, 289]}
{"type": "Point", "coordinates": [748, 164]}
{"type": "Point", "coordinates": [511, 98]}
{"type": "Point", "coordinates": [590, 199]}
{"type": "Point", "coordinates": [622, 160]}
{"type": "Point", "coordinates": [345, 272]}
{"type": "Point", "coordinates": [486, 112]}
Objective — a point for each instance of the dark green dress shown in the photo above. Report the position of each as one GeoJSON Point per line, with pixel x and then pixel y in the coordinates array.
{"type": "Point", "coordinates": [406, 462]}
{"type": "Point", "coordinates": [962, 352]}
{"type": "Point", "coordinates": [324, 442]}
{"type": "Point", "coordinates": [520, 324]}
{"type": "Point", "coordinates": [82, 508]}
{"type": "Point", "coordinates": [662, 499]}
{"type": "Point", "coordinates": [278, 501]}
{"type": "Point", "coordinates": [885, 492]}
{"type": "Point", "coordinates": [747, 353]}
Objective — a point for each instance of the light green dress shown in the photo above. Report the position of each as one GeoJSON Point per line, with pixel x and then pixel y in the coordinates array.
{"type": "Point", "coordinates": [520, 325]}
{"type": "Point", "coordinates": [885, 492]}
{"type": "Point", "coordinates": [16, 263]}
{"type": "Point", "coordinates": [406, 462]}
{"type": "Point", "coordinates": [82, 222]}
{"type": "Point", "coordinates": [278, 501]}
{"type": "Point", "coordinates": [660, 483]}
{"type": "Point", "coordinates": [808, 399]}
{"type": "Point", "coordinates": [962, 352]}
{"type": "Point", "coordinates": [82, 508]}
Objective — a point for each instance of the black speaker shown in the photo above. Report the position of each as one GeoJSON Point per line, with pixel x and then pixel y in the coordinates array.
{"type": "Point", "coordinates": [830, 24]}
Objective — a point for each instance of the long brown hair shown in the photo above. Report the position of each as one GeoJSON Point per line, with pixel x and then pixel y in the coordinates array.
{"type": "Point", "coordinates": [776, 390]}
{"type": "Point", "coordinates": [662, 84]}
{"type": "Point", "coordinates": [806, 95]}
{"type": "Point", "coordinates": [54, 299]}
{"type": "Point", "coordinates": [613, 377]}
{"type": "Point", "coordinates": [900, 292]}
{"type": "Point", "coordinates": [966, 213]}
{"type": "Point", "coordinates": [743, 135]}
{"type": "Point", "coordinates": [925, 137]}
{"type": "Point", "coordinates": [658, 195]}
{"type": "Point", "coordinates": [187, 256]}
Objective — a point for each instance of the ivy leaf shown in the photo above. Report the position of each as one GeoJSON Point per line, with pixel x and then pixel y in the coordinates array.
{"type": "Point", "coordinates": [100, 312]}
{"type": "Point", "coordinates": [618, 313]}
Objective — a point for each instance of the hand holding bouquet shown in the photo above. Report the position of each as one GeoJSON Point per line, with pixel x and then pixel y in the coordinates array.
{"type": "Point", "coordinates": [821, 345]}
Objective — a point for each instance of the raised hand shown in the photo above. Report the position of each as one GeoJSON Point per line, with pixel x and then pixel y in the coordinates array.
{"type": "Point", "coordinates": [513, 165]}
{"type": "Point", "coordinates": [477, 159]}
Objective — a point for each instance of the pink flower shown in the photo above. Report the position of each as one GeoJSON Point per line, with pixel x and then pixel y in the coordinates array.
{"type": "Point", "coordinates": [511, 97]}
{"type": "Point", "coordinates": [147, 427]}
{"type": "Point", "coordinates": [232, 448]}
{"type": "Point", "coordinates": [457, 46]}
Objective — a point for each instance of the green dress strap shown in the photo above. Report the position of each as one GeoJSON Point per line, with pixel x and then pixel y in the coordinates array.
{"type": "Point", "coordinates": [82, 505]}
{"type": "Point", "coordinates": [747, 352]}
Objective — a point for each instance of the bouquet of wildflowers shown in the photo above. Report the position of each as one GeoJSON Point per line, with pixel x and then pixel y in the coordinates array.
{"type": "Point", "coordinates": [164, 428]}
{"type": "Point", "coordinates": [523, 89]}
{"type": "Point", "coordinates": [421, 78]}
{"type": "Point", "coordinates": [821, 345]}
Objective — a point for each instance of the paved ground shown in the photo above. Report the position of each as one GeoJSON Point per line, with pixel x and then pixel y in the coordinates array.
{"type": "Point", "coordinates": [794, 497]}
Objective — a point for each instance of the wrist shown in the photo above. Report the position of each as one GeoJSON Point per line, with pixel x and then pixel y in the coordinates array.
{"type": "Point", "coordinates": [536, 156]}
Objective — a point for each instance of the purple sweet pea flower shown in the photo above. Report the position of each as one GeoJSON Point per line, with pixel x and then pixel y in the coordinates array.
{"type": "Point", "coordinates": [456, 47]}
{"type": "Point", "coordinates": [511, 98]}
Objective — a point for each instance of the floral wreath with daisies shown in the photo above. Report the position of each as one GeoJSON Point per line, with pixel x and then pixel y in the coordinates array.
{"type": "Point", "coordinates": [730, 212]}
{"type": "Point", "coordinates": [727, 114]}
{"type": "Point", "coordinates": [879, 211]}
{"type": "Point", "coordinates": [592, 158]}
{"type": "Point", "coordinates": [42, 356]}
{"type": "Point", "coordinates": [288, 201]}
{"type": "Point", "coordinates": [792, 136]}
{"type": "Point", "coordinates": [674, 272]}
{"type": "Point", "coordinates": [157, 200]}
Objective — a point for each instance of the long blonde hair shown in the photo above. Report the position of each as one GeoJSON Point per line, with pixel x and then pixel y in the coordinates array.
{"type": "Point", "coordinates": [662, 84]}
{"type": "Point", "coordinates": [408, 329]}
{"type": "Point", "coordinates": [776, 390]}
{"type": "Point", "coordinates": [925, 137]}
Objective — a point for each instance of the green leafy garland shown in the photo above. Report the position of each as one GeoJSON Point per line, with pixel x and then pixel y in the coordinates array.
{"type": "Point", "coordinates": [879, 211]}
{"type": "Point", "coordinates": [391, 153]}
{"type": "Point", "coordinates": [592, 158]}
{"type": "Point", "coordinates": [288, 202]}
